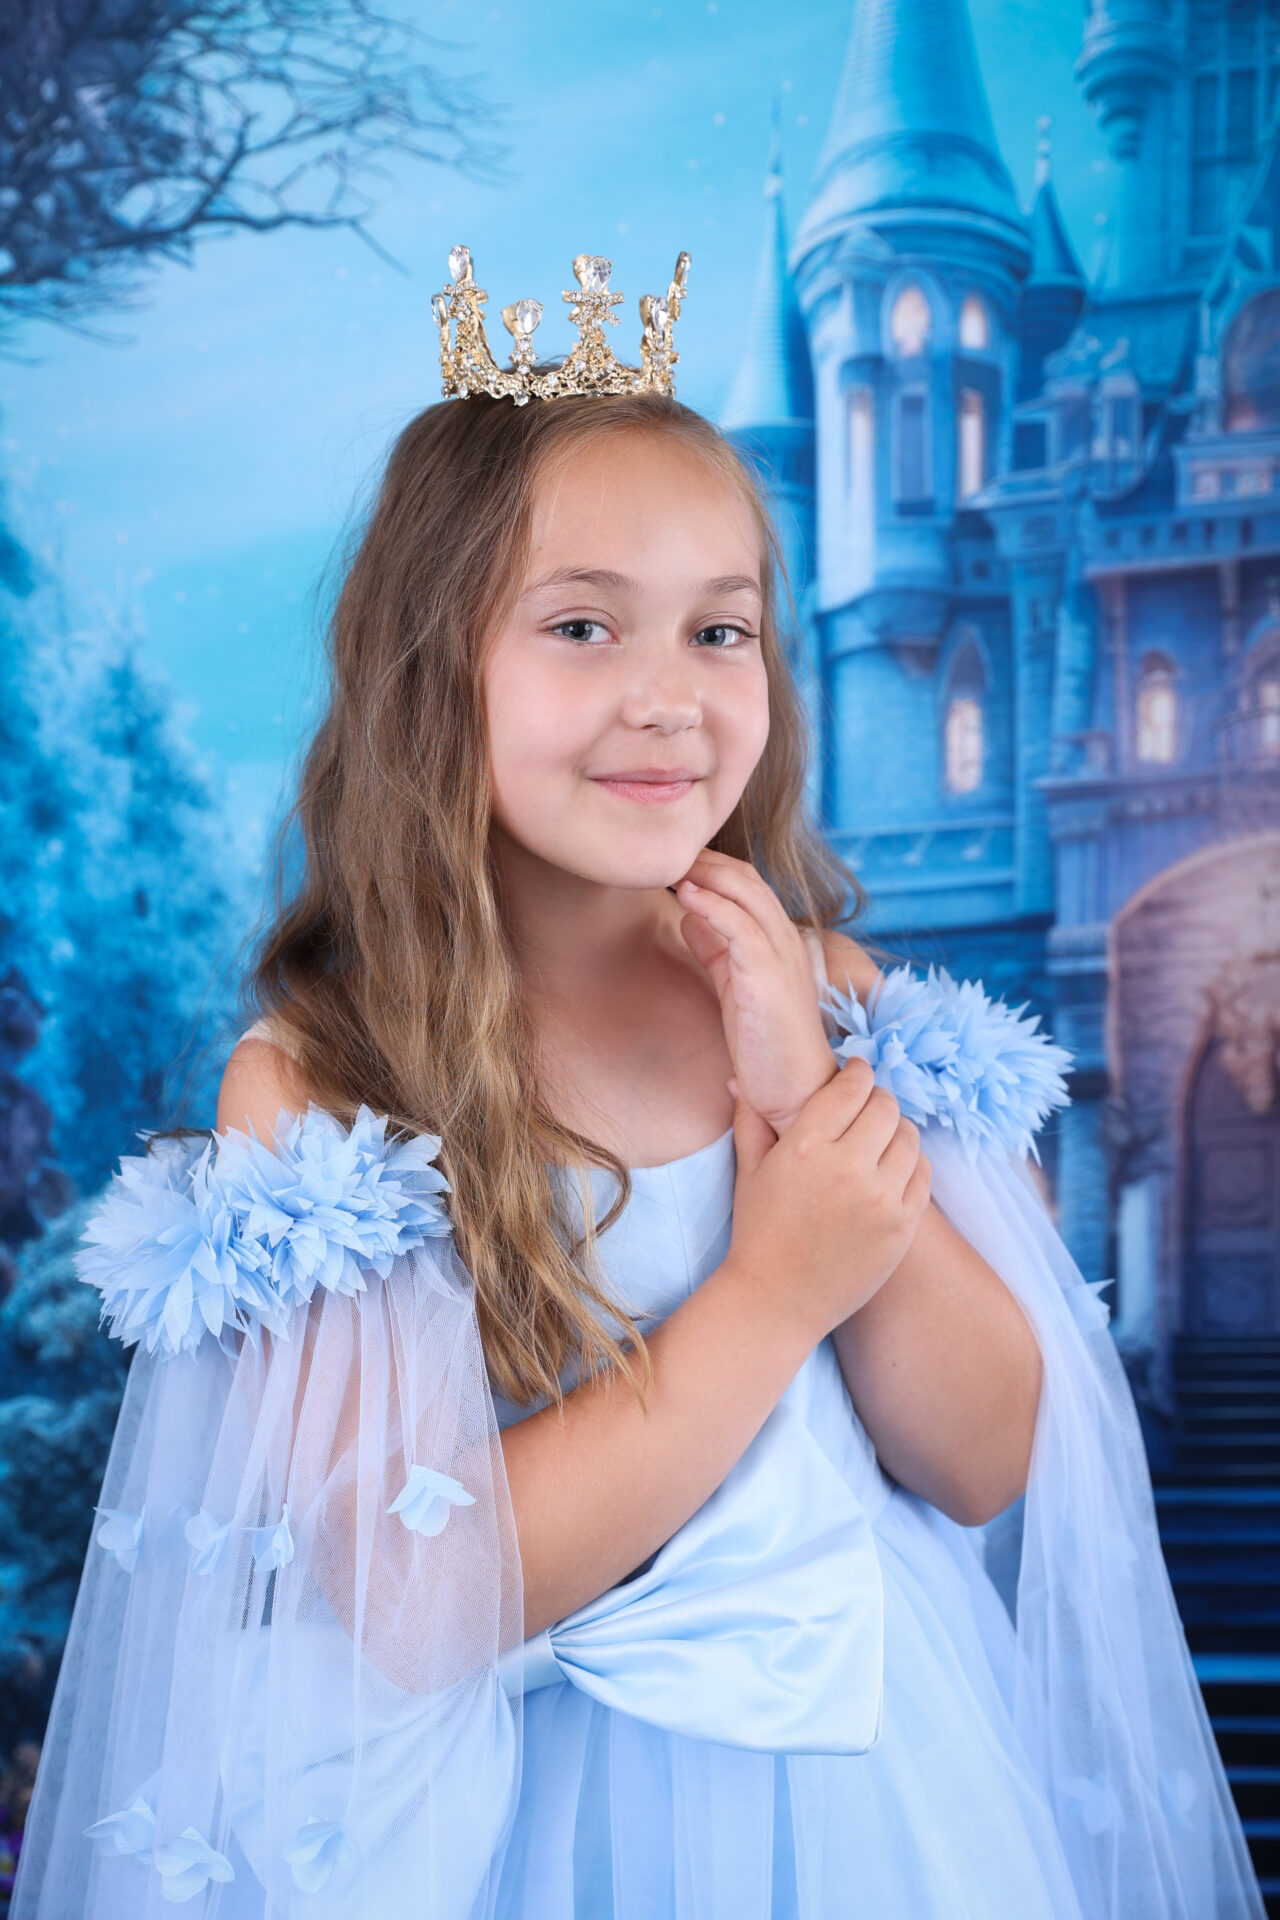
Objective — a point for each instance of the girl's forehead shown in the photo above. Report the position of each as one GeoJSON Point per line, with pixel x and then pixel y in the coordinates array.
{"type": "Point", "coordinates": [634, 487]}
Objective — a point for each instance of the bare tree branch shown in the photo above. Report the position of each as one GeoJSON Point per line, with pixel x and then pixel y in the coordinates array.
{"type": "Point", "coordinates": [129, 129]}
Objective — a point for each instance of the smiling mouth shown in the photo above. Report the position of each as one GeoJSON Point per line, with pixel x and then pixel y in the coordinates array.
{"type": "Point", "coordinates": [647, 792]}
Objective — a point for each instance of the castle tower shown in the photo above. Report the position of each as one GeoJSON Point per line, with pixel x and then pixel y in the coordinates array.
{"type": "Point", "coordinates": [908, 264]}
{"type": "Point", "coordinates": [1126, 69]}
{"type": "Point", "coordinates": [1053, 294]}
{"type": "Point", "coordinates": [769, 416]}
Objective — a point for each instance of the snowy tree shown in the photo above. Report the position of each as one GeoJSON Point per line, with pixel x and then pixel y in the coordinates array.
{"type": "Point", "coordinates": [130, 128]}
{"type": "Point", "coordinates": [61, 1379]}
{"type": "Point", "coordinates": [135, 917]}
{"type": "Point", "coordinates": [121, 902]}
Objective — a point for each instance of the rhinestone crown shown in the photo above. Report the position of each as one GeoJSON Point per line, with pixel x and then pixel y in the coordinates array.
{"type": "Point", "coordinates": [468, 366]}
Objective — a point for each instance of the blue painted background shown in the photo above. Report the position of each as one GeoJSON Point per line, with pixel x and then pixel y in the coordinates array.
{"type": "Point", "coordinates": [178, 473]}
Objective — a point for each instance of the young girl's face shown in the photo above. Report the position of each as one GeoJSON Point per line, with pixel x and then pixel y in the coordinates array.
{"type": "Point", "coordinates": [632, 649]}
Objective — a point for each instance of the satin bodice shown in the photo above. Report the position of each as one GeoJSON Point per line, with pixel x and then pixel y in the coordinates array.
{"type": "Point", "coordinates": [672, 1233]}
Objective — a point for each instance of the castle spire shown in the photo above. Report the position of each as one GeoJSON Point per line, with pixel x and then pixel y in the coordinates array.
{"type": "Point", "coordinates": [1052, 255]}
{"type": "Point", "coordinates": [911, 128]}
{"type": "Point", "coordinates": [773, 385]}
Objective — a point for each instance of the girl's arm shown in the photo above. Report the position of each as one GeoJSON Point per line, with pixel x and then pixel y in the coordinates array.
{"type": "Point", "coordinates": [599, 1489]}
{"type": "Point", "coordinates": [598, 1486]}
{"type": "Point", "coordinates": [941, 1363]}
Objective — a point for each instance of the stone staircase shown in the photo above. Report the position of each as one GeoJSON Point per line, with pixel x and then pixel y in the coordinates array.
{"type": "Point", "coordinates": [1218, 1501]}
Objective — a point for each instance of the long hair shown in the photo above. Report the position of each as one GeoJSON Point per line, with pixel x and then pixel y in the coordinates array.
{"type": "Point", "coordinates": [389, 965]}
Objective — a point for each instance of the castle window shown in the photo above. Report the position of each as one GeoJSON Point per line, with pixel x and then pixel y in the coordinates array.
{"type": "Point", "coordinates": [1267, 700]}
{"type": "Point", "coordinates": [1230, 98]}
{"type": "Point", "coordinates": [975, 324]}
{"type": "Point", "coordinates": [972, 442]}
{"type": "Point", "coordinates": [912, 322]}
{"type": "Point", "coordinates": [912, 466]}
{"type": "Point", "coordinates": [861, 453]}
{"type": "Point", "coordinates": [1071, 423]}
{"type": "Point", "coordinates": [1120, 426]}
{"type": "Point", "coordinates": [1156, 710]}
{"type": "Point", "coordinates": [963, 746]}
{"type": "Point", "coordinates": [1251, 366]}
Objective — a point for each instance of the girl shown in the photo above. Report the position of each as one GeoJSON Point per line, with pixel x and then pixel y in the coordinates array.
{"type": "Point", "coordinates": [571, 1386]}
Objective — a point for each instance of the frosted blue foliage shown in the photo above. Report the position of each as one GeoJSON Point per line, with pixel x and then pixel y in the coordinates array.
{"type": "Point", "coordinates": [427, 1498]}
{"type": "Point", "coordinates": [232, 1235]}
{"type": "Point", "coordinates": [951, 1055]}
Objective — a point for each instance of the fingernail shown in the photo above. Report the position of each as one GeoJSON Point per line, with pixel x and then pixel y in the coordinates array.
{"type": "Point", "coordinates": [733, 1087]}
{"type": "Point", "coordinates": [691, 886]}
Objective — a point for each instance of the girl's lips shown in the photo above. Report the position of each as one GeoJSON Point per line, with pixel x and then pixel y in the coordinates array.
{"type": "Point", "coordinates": [648, 792]}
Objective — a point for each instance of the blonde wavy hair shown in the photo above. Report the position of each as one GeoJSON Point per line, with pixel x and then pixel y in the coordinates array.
{"type": "Point", "coordinates": [388, 963]}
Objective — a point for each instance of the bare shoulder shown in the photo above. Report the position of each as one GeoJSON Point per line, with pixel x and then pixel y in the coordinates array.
{"type": "Point", "coordinates": [848, 964]}
{"type": "Point", "coordinates": [259, 1081]}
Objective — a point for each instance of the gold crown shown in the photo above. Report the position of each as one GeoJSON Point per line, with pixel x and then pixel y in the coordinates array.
{"type": "Point", "coordinates": [468, 366]}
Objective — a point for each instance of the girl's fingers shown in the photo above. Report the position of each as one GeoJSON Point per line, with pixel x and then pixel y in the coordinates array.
{"type": "Point", "coordinates": [739, 882]}
{"type": "Point", "coordinates": [748, 943]}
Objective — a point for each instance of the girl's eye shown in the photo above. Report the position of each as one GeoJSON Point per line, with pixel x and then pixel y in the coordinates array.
{"type": "Point", "coordinates": [577, 623]}
{"type": "Point", "coordinates": [741, 632]}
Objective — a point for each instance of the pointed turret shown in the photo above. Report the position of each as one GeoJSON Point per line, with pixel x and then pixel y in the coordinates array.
{"type": "Point", "coordinates": [1052, 255]}
{"type": "Point", "coordinates": [912, 128]}
{"type": "Point", "coordinates": [774, 382]}
{"type": "Point", "coordinates": [769, 417]}
{"type": "Point", "coordinates": [1053, 294]}
{"type": "Point", "coordinates": [1128, 67]}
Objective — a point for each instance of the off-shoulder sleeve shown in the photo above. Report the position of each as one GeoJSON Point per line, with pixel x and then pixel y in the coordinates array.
{"type": "Point", "coordinates": [1101, 1687]}
{"type": "Point", "coordinates": [281, 1688]}
{"type": "Point", "coordinates": [273, 1030]}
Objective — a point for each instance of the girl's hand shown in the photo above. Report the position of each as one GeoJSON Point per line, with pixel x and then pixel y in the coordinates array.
{"type": "Point", "coordinates": [822, 1218]}
{"type": "Point", "coordinates": [736, 927]}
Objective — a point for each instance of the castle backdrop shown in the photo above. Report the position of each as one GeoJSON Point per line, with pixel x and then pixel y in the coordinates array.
{"type": "Point", "coordinates": [1030, 502]}
{"type": "Point", "coordinates": [1033, 520]}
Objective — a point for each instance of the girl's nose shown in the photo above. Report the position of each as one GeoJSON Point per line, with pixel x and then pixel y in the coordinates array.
{"type": "Point", "coordinates": [662, 689]}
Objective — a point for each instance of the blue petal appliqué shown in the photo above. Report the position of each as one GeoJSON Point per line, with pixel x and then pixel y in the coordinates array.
{"type": "Point", "coordinates": [950, 1054]}
{"type": "Point", "coordinates": [187, 1863]}
{"type": "Point", "coordinates": [132, 1829]}
{"type": "Point", "coordinates": [209, 1539]}
{"type": "Point", "coordinates": [121, 1534]}
{"type": "Point", "coordinates": [427, 1498]}
{"type": "Point", "coordinates": [231, 1236]}
{"type": "Point", "coordinates": [273, 1546]}
{"type": "Point", "coordinates": [315, 1850]}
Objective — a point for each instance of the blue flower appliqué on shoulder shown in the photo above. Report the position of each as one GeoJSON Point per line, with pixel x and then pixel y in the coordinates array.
{"type": "Point", "coordinates": [951, 1055]}
{"type": "Point", "coordinates": [224, 1237]}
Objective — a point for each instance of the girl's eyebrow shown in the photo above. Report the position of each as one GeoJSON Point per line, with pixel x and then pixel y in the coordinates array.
{"type": "Point", "coordinates": [623, 583]}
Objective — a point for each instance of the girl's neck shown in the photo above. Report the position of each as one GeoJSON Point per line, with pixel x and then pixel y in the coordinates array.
{"type": "Point", "coordinates": [569, 933]}
{"type": "Point", "coordinates": [628, 1029]}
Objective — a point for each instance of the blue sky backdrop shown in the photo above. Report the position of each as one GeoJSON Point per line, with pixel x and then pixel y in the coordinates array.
{"type": "Point", "coordinates": [195, 479]}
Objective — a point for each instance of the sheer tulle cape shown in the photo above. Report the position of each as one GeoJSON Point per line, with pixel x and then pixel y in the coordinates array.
{"type": "Point", "coordinates": [1101, 1684]}
{"type": "Point", "coordinates": [280, 1694]}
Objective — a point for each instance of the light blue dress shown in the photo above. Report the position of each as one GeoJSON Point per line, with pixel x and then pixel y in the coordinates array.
{"type": "Point", "coordinates": [940, 1817]}
{"type": "Point", "coordinates": [296, 1683]}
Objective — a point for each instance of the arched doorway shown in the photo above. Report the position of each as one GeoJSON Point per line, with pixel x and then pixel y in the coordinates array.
{"type": "Point", "coordinates": [1233, 1206]}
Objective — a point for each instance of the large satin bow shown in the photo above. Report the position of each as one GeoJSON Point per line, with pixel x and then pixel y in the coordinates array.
{"type": "Point", "coordinates": [759, 1624]}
